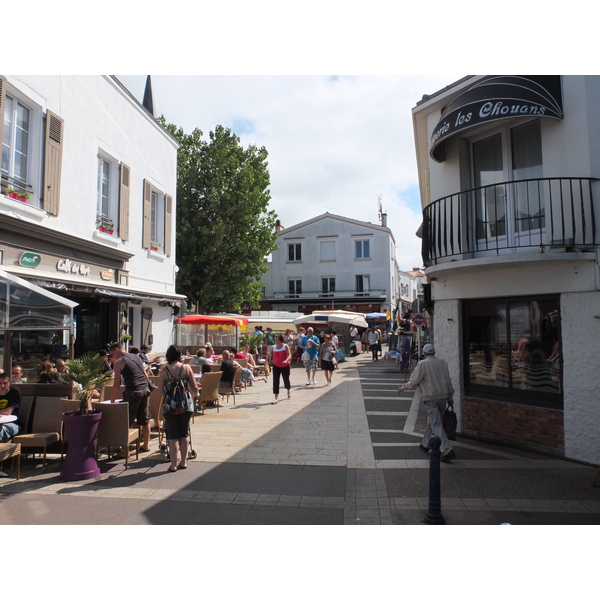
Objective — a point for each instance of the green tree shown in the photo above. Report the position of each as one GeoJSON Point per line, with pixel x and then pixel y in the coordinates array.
{"type": "Point", "coordinates": [224, 228]}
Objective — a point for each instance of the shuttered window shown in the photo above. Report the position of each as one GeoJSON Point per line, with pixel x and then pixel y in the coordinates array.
{"type": "Point", "coordinates": [52, 162]}
{"type": "Point", "coordinates": [124, 203]}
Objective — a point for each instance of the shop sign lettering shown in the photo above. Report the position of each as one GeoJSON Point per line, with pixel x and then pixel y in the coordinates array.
{"type": "Point", "coordinates": [71, 268]}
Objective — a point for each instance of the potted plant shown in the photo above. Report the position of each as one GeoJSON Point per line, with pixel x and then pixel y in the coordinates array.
{"type": "Point", "coordinates": [81, 425]}
{"type": "Point", "coordinates": [12, 193]}
{"type": "Point", "coordinates": [24, 196]}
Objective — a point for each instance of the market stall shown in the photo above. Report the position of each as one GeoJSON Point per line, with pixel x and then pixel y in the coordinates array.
{"type": "Point", "coordinates": [222, 331]}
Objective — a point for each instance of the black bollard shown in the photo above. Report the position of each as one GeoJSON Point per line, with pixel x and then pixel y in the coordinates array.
{"type": "Point", "coordinates": [434, 514]}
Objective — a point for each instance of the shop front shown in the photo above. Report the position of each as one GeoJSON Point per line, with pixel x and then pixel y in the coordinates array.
{"type": "Point", "coordinates": [34, 323]}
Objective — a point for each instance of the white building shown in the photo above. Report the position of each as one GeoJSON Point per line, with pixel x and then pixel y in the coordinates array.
{"type": "Point", "coordinates": [98, 225]}
{"type": "Point", "coordinates": [508, 170]}
{"type": "Point", "coordinates": [332, 262]}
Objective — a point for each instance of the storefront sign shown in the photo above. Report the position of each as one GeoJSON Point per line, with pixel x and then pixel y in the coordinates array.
{"type": "Point", "coordinates": [70, 268]}
{"type": "Point", "coordinates": [498, 98]}
{"type": "Point", "coordinates": [107, 275]}
{"type": "Point", "coordinates": [30, 259]}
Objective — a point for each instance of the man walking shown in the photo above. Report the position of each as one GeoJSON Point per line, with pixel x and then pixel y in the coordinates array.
{"type": "Point", "coordinates": [432, 380]}
{"type": "Point", "coordinates": [311, 345]}
{"type": "Point", "coordinates": [137, 391]}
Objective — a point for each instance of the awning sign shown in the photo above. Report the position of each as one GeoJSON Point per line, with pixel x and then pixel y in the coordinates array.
{"type": "Point", "coordinates": [497, 98]}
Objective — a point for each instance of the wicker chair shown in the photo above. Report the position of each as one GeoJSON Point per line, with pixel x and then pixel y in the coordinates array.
{"type": "Point", "coordinates": [210, 389]}
{"type": "Point", "coordinates": [46, 426]}
{"type": "Point", "coordinates": [235, 384]}
{"type": "Point", "coordinates": [11, 450]}
{"type": "Point", "coordinates": [114, 430]}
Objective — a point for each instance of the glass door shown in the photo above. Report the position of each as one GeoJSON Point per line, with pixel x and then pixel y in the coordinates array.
{"type": "Point", "coordinates": [490, 192]}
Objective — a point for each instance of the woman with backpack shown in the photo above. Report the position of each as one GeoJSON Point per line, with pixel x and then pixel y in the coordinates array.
{"type": "Point", "coordinates": [179, 389]}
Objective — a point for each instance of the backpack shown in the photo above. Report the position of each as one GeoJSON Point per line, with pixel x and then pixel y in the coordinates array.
{"type": "Point", "coordinates": [177, 396]}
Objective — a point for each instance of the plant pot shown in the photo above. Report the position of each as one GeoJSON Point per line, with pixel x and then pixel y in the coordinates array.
{"type": "Point", "coordinates": [80, 462]}
{"type": "Point", "coordinates": [22, 199]}
{"type": "Point", "coordinates": [13, 195]}
{"type": "Point", "coordinates": [102, 229]}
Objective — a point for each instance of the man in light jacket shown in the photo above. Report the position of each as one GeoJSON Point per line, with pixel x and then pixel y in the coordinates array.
{"type": "Point", "coordinates": [432, 380]}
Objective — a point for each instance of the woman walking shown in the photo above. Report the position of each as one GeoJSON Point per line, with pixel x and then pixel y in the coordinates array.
{"type": "Point", "coordinates": [280, 357]}
{"type": "Point", "coordinates": [179, 388]}
{"type": "Point", "coordinates": [328, 352]}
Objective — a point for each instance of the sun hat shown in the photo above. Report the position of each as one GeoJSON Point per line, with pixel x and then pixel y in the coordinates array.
{"type": "Point", "coordinates": [428, 349]}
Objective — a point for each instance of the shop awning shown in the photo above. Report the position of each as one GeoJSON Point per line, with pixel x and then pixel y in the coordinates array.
{"type": "Point", "coordinates": [211, 320]}
{"type": "Point", "coordinates": [505, 97]}
{"type": "Point", "coordinates": [332, 317]}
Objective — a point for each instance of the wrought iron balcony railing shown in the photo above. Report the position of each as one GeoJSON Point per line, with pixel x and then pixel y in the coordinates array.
{"type": "Point", "coordinates": [328, 296]}
{"type": "Point", "coordinates": [501, 218]}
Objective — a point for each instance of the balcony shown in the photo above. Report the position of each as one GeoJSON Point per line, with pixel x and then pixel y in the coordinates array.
{"type": "Point", "coordinates": [338, 295]}
{"type": "Point", "coordinates": [548, 213]}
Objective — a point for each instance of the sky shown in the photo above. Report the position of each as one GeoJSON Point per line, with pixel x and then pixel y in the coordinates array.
{"type": "Point", "coordinates": [336, 144]}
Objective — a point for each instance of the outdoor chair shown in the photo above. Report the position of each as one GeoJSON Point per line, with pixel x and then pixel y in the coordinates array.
{"type": "Point", "coordinates": [210, 389]}
{"type": "Point", "coordinates": [106, 392]}
{"type": "Point", "coordinates": [230, 391]}
{"type": "Point", "coordinates": [46, 425]}
{"type": "Point", "coordinates": [114, 430]}
{"type": "Point", "coordinates": [11, 450]}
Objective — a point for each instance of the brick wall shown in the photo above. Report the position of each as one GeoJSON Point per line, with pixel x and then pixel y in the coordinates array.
{"type": "Point", "coordinates": [529, 427]}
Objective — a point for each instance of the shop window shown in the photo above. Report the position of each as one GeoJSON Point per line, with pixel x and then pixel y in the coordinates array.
{"type": "Point", "coordinates": [513, 347]}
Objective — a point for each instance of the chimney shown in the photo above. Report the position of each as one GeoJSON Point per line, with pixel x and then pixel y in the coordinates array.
{"type": "Point", "coordinates": [384, 219]}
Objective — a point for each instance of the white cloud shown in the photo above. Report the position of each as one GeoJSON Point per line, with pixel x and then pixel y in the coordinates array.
{"type": "Point", "coordinates": [336, 144]}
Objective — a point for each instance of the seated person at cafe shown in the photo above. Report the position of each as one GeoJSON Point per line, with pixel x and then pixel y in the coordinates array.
{"type": "Point", "coordinates": [210, 355]}
{"type": "Point", "coordinates": [200, 358]}
{"type": "Point", "coordinates": [143, 354]}
{"type": "Point", "coordinates": [228, 370]}
{"type": "Point", "coordinates": [106, 366]}
{"type": "Point", "coordinates": [10, 403]}
{"type": "Point", "coordinates": [61, 369]}
{"type": "Point", "coordinates": [236, 354]}
{"type": "Point", "coordinates": [17, 374]}
{"type": "Point", "coordinates": [47, 373]}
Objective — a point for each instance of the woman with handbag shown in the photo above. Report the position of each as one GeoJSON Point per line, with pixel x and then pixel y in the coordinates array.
{"type": "Point", "coordinates": [280, 357]}
{"type": "Point", "coordinates": [328, 361]}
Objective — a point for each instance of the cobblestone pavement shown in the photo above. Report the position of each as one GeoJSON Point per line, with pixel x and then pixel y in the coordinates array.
{"type": "Point", "coordinates": [347, 454]}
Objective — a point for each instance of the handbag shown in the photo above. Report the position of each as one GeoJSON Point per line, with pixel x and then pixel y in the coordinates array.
{"type": "Point", "coordinates": [449, 422]}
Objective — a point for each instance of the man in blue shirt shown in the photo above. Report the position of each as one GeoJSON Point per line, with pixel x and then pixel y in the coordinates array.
{"type": "Point", "coordinates": [311, 345]}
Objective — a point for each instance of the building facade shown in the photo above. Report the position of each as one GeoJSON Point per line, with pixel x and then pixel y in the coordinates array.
{"type": "Point", "coordinates": [333, 263]}
{"type": "Point", "coordinates": [87, 205]}
{"type": "Point", "coordinates": [508, 171]}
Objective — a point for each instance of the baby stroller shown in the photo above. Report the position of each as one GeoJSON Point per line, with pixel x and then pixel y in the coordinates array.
{"type": "Point", "coordinates": [162, 438]}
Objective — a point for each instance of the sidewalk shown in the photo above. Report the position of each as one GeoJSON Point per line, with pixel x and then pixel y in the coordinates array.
{"type": "Point", "coordinates": [345, 454]}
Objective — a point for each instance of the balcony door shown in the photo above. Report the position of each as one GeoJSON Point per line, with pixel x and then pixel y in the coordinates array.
{"type": "Point", "coordinates": [509, 198]}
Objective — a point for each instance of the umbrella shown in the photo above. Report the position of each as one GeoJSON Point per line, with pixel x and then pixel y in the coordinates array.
{"type": "Point", "coordinates": [376, 315]}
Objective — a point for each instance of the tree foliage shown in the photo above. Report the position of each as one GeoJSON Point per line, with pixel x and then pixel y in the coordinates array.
{"type": "Point", "coordinates": [224, 227]}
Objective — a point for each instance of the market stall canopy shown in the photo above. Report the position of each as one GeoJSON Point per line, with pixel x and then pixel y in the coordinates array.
{"type": "Point", "coordinates": [343, 317]}
{"type": "Point", "coordinates": [212, 320]}
{"type": "Point", "coordinates": [376, 315]}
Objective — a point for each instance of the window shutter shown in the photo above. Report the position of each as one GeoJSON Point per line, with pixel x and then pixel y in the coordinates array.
{"type": "Point", "coordinates": [53, 162]}
{"type": "Point", "coordinates": [124, 203]}
{"type": "Point", "coordinates": [168, 224]}
{"type": "Point", "coordinates": [2, 104]}
{"type": "Point", "coordinates": [147, 224]}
